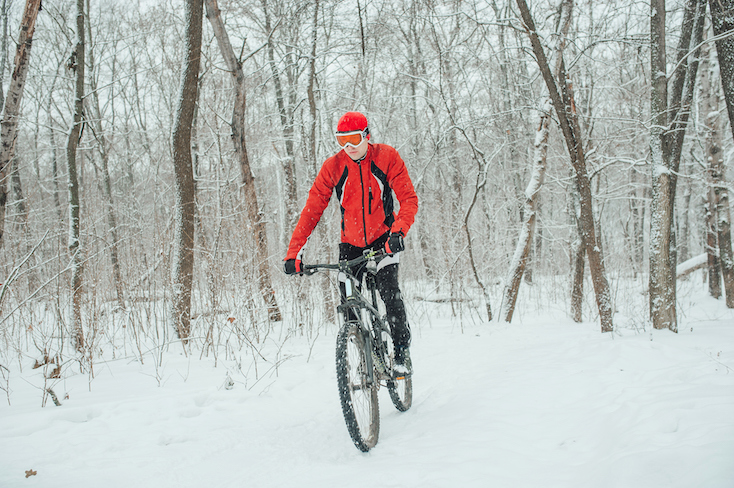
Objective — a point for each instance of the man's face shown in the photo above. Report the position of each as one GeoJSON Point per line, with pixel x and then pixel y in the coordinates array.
{"type": "Point", "coordinates": [356, 152]}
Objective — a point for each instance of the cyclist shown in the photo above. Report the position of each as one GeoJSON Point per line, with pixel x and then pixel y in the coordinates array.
{"type": "Point", "coordinates": [366, 177]}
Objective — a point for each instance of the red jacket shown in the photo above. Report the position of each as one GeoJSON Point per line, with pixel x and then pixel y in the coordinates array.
{"type": "Point", "coordinates": [365, 193]}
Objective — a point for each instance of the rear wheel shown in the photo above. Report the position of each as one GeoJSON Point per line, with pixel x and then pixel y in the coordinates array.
{"type": "Point", "coordinates": [401, 393]}
{"type": "Point", "coordinates": [400, 388]}
{"type": "Point", "coordinates": [357, 391]}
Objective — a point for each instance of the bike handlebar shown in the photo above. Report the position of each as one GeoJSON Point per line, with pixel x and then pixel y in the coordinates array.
{"type": "Point", "coordinates": [345, 265]}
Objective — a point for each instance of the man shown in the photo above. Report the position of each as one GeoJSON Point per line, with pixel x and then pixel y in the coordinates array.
{"type": "Point", "coordinates": [365, 176]}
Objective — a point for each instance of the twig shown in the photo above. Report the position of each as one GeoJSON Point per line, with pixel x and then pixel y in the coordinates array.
{"type": "Point", "coordinates": [53, 397]}
{"type": "Point", "coordinates": [16, 270]}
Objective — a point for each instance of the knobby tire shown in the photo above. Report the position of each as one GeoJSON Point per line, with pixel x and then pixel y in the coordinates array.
{"type": "Point", "coordinates": [358, 395]}
{"type": "Point", "coordinates": [401, 390]}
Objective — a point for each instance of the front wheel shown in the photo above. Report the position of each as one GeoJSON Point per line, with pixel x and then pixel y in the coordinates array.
{"type": "Point", "coordinates": [357, 387]}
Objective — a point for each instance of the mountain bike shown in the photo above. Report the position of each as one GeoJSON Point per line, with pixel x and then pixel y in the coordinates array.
{"type": "Point", "coordinates": [364, 351]}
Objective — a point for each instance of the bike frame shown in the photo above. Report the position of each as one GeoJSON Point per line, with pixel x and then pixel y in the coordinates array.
{"type": "Point", "coordinates": [366, 309]}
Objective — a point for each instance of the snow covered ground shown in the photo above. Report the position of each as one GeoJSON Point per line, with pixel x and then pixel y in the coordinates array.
{"type": "Point", "coordinates": [543, 402]}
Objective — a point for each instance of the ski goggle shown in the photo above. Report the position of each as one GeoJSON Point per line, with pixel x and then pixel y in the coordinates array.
{"type": "Point", "coordinates": [353, 138]}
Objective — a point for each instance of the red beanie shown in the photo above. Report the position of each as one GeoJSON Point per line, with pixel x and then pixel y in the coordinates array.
{"type": "Point", "coordinates": [351, 121]}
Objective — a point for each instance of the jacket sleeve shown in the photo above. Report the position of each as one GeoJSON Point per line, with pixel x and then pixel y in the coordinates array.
{"type": "Point", "coordinates": [403, 187]}
{"type": "Point", "coordinates": [318, 200]}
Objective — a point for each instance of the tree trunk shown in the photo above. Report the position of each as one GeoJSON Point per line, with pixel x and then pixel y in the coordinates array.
{"type": "Point", "coordinates": [722, 16]}
{"type": "Point", "coordinates": [679, 104]}
{"type": "Point", "coordinates": [669, 121]}
{"type": "Point", "coordinates": [712, 241]}
{"type": "Point", "coordinates": [184, 189]}
{"type": "Point", "coordinates": [54, 153]}
{"type": "Point", "coordinates": [578, 244]}
{"type": "Point", "coordinates": [578, 253]}
{"type": "Point", "coordinates": [481, 181]}
{"type": "Point", "coordinates": [637, 215]}
{"type": "Point", "coordinates": [4, 47]}
{"type": "Point", "coordinates": [524, 242]}
{"type": "Point", "coordinates": [76, 63]}
{"type": "Point", "coordinates": [723, 227]}
{"type": "Point", "coordinates": [684, 252]}
{"type": "Point", "coordinates": [662, 275]}
{"type": "Point", "coordinates": [710, 116]}
{"type": "Point", "coordinates": [719, 218]}
{"type": "Point", "coordinates": [565, 109]}
{"type": "Point", "coordinates": [255, 218]}
{"type": "Point", "coordinates": [721, 13]}
{"type": "Point", "coordinates": [9, 125]}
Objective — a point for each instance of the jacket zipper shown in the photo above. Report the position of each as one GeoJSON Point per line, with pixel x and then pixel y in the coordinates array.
{"type": "Point", "coordinates": [364, 218]}
{"type": "Point", "coordinates": [370, 206]}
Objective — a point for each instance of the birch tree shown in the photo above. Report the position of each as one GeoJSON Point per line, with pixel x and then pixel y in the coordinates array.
{"type": "Point", "coordinates": [11, 108]}
{"type": "Point", "coordinates": [525, 239]}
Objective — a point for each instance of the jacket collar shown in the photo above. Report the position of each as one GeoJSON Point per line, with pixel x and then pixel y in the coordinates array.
{"type": "Point", "coordinates": [359, 161]}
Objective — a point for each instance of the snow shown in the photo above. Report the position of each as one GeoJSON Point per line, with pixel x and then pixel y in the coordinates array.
{"type": "Point", "coordinates": [539, 402]}
{"type": "Point", "coordinates": [659, 170]}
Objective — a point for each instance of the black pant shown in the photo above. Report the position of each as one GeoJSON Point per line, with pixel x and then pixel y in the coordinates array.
{"type": "Point", "coordinates": [386, 280]}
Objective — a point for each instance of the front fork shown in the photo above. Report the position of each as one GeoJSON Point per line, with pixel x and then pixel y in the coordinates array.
{"type": "Point", "coordinates": [360, 318]}
{"type": "Point", "coordinates": [369, 328]}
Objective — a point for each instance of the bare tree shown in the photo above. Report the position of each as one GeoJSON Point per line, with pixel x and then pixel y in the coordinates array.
{"type": "Point", "coordinates": [718, 215]}
{"type": "Point", "coordinates": [669, 120]}
{"type": "Point", "coordinates": [481, 181]}
{"type": "Point", "coordinates": [76, 64]}
{"type": "Point", "coordinates": [426, 72]}
{"type": "Point", "coordinates": [712, 239]}
{"type": "Point", "coordinates": [566, 111]}
{"type": "Point", "coordinates": [104, 148]}
{"type": "Point", "coordinates": [255, 217]}
{"type": "Point", "coordinates": [662, 279]}
{"type": "Point", "coordinates": [184, 187]}
{"type": "Point", "coordinates": [723, 227]}
{"type": "Point", "coordinates": [537, 175]}
{"type": "Point", "coordinates": [11, 109]}
{"type": "Point", "coordinates": [285, 112]}
{"type": "Point", "coordinates": [3, 47]}
{"type": "Point", "coordinates": [683, 83]}
{"type": "Point", "coordinates": [722, 16]}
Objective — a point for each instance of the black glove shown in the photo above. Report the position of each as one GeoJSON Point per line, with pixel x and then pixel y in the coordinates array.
{"type": "Point", "coordinates": [292, 266]}
{"type": "Point", "coordinates": [395, 243]}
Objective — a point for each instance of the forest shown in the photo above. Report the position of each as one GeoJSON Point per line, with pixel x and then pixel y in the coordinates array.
{"type": "Point", "coordinates": [156, 155]}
